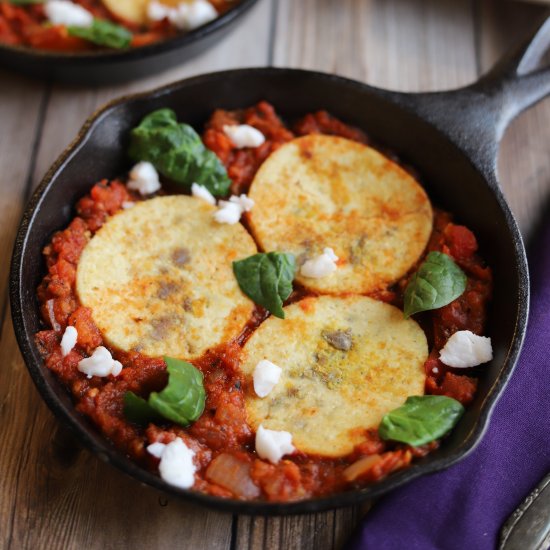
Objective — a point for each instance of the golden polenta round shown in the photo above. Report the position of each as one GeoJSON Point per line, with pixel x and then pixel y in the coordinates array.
{"type": "Point", "coordinates": [158, 278]}
{"type": "Point", "coordinates": [318, 192]}
{"type": "Point", "coordinates": [345, 362]}
{"type": "Point", "coordinates": [134, 11]}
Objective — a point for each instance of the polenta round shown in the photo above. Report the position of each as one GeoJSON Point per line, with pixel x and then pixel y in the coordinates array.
{"type": "Point", "coordinates": [135, 11]}
{"type": "Point", "coordinates": [158, 278]}
{"type": "Point", "coordinates": [323, 191]}
{"type": "Point", "coordinates": [345, 362]}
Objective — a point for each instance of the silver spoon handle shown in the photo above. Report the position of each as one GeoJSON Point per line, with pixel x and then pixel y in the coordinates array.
{"type": "Point", "coordinates": [528, 528]}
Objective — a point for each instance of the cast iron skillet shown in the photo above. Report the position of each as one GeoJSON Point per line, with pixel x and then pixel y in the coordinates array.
{"type": "Point", "coordinates": [451, 138]}
{"type": "Point", "coordinates": [109, 67]}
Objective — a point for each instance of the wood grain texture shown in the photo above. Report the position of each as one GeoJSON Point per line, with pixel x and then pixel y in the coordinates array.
{"type": "Point", "coordinates": [55, 495]}
{"type": "Point", "coordinates": [21, 103]}
{"type": "Point", "coordinates": [404, 45]}
{"type": "Point", "coordinates": [524, 159]}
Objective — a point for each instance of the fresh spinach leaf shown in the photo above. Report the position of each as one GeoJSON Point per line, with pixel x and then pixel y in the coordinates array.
{"type": "Point", "coordinates": [267, 279]}
{"type": "Point", "coordinates": [437, 283]}
{"type": "Point", "coordinates": [182, 400]}
{"type": "Point", "coordinates": [421, 419]}
{"type": "Point", "coordinates": [103, 33]}
{"type": "Point", "coordinates": [177, 152]}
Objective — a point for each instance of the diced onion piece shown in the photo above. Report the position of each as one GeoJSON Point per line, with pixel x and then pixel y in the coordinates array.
{"type": "Point", "coordinates": [266, 376]}
{"type": "Point", "coordinates": [51, 315]}
{"type": "Point", "coordinates": [101, 363]}
{"type": "Point", "coordinates": [201, 192]}
{"type": "Point", "coordinates": [272, 444]}
{"type": "Point", "coordinates": [233, 473]}
{"type": "Point", "coordinates": [465, 349]}
{"type": "Point", "coordinates": [361, 467]}
{"type": "Point", "coordinates": [320, 266]}
{"type": "Point", "coordinates": [68, 342]}
{"type": "Point", "coordinates": [144, 178]}
{"type": "Point", "coordinates": [243, 135]}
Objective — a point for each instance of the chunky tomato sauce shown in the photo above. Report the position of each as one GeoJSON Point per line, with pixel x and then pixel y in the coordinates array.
{"type": "Point", "coordinates": [221, 438]}
{"type": "Point", "coordinates": [28, 26]}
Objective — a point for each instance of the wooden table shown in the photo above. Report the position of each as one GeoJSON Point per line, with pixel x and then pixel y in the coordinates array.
{"type": "Point", "coordinates": [56, 495]}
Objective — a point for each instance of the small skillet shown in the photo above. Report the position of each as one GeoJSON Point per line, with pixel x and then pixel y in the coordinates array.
{"type": "Point", "coordinates": [451, 138]}
{"type": "Point", "coordinates": [115, 66]}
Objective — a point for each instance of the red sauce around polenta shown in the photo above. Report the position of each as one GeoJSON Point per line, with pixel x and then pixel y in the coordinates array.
{"type": "Point", "coordinates": [222, 430]}
{"type": "Point", "coordinates": [27, 25]}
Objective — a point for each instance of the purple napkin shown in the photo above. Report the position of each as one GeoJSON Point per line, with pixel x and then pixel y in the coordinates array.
{"type": "Point", "coordinates": [466, 505]}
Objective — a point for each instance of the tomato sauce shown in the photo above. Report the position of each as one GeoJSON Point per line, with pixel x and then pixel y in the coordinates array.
{"type": "Point", "coordinates": [221, 438]}
{"type": "Point", "coordinates": [28, 26]}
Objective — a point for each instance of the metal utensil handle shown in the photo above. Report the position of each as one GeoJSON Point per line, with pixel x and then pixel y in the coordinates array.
{"type": "Point", "coordinates": [515, 80]}
{"type": "Point", "coordinates": [475, 117]}
{"type": "Point", "coordinates": [529, 525]}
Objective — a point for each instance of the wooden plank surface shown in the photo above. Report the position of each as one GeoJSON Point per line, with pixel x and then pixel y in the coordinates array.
{"type": "Point", "coordinates": [524, 160]}
{"type": "Point", "coordinates": [54, 495]}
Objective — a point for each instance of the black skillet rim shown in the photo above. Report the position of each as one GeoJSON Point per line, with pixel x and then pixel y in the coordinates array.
{"type": "Point", "coordinates": [110, 454]}
{"type": "Point", "coordinates": [141, 52]}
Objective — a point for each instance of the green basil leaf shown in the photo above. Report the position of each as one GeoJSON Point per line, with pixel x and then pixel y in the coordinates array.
{"type": "Point", "coordinates": [137, 410]}
{"type": "Point", "coordinates": [103, 33]}
{"type": "Point", "coordinates": [182, 400]}
{"type": "Point", "coordinates": [177, 152]}
{"type": "Point", "coordinates": [421, 419]}
{"type": "Point", "coordinates": [267, 279]}
{"type": "Point", "coordinates": [437, 283]}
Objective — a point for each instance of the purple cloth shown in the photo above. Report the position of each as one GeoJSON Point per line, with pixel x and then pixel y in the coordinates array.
{"type": "Point", "coordinates": [466, 505]}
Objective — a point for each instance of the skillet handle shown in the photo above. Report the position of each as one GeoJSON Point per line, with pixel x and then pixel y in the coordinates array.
{"type": "Point", "coordinates": [515, 80]}
{"type": "Point", "coordinates": [476, 116]}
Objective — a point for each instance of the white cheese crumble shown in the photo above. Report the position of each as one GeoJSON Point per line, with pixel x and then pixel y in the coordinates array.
{"type": "Point", "coordinates": [266, 376]}
{"type": "Point", "coordinates": [101, 363]}
{"type": "Point", "coordinates": [157, 11]}
{"type": "Point", "coordinates": [68, 342]}
{"type": "Point", "coordinates": [176, 462]}
{"type": "Point", "coordinates": [246, 203]}
{"type": "Point", "coordinates": [185, 16]}
{"type": "Point", "coordinates": [63, 12]}
{"type": "Point", "coordinates": [126, 205]}
{"type": "Point", "coordinates": [156, 449]}
{"type": "Point", "coordinates": [465, 349]}
{"type": "Point", "coordinates": [201, 192]}
{"type": "Point", "coordinates": [231, 211]}
{"type": "Point", "coordinates": [243, 135]}
{"type": "Point", "coordinates": [272, 444]}
{"type": "Point", "coordinates": [144, 178]}
{"type": "Point", "coordinates": [196, 14]}
{"type": "Point", "coordinates": [228, 212]}
{"type": "Point", "coordinates": [321, 266]}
